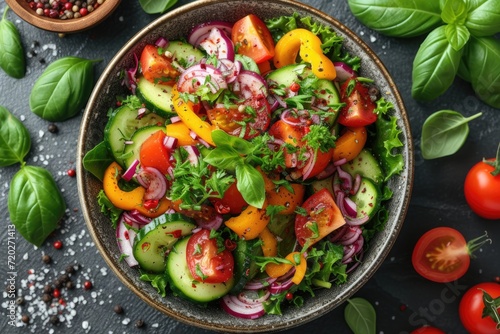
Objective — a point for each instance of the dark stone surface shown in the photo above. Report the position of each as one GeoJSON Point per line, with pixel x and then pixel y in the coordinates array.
{"type": "Point", "coordinates": [403, 300]}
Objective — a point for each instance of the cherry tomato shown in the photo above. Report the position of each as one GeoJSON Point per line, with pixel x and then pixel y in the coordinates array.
{"type": "Point", "coordinates": [359, 107]}
{"type": "Point", "coordinates": [206, 262]}
{"type": "Point", "coordinates": [323, 217]}
{"type": "Point", "coordinates": [482, 189]}
{"type": "Point", "coordinates": [232, 202]}
{"type": "Point", "coordinates": [252, 38]}
{"type": "Point", "coordinates": [316, 160]}
{"type": "Point", "coordinates": [157, 67]}
{"type": "Point", "coordinates": [350, 143]}
{"type": "Point", "coordinates": [442, 254]}
{"type": "Point", "coordinates": [471, 309]}
{"type": "Point", "coordinates": [154, 153]}
{"type": "Point", "coordinates": [427, 330]}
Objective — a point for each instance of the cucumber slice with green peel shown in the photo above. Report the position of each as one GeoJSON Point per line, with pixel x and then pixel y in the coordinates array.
{"type": "Point", "coordinates": [159, 236]}
{"type": "Point", "coordinates": [365, 165]}
{"type": "Point", "coordinates": [244, 265]}
{"type": "Point", "coordinates": [183, 283]}
{"type": "Point", "coordinates": [132, 150]}
{"type": "Point", "coordinates": [157, 97]}
{"type": "Point", "coordinates": [367, 198]}
{"type": "Point", "coordinates": [122, 124]}
{"type": "Point", "coordinates": [289, 74]}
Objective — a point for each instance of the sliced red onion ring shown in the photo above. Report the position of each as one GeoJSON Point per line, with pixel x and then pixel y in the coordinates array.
{"type": "Point", "coordinates": [357, 221]}
{"type": "Point", "coordinates": [257, 284]}
{"type": "Point", "coordinates": [278, 287]}
{"type": "Point", "coordinates": [135, 217]}
{"type": "Point", "coordinates": [130, 80]}
{"type": "Point", "coordinates": [170, 143]}
{"type": "Point", "coordinates": [232, 305]}
{"type": "Point", "coordinates": [357, 184]}
{"type": "Point", "coordinates": [338, 233]}
{"type": "Point", "coordinates": [350, 207]}
{"type": "Point", "coordinates": [327, 172]}
{"type": "Point", "coordinates": [201, 31]}
{"type": "Point", "coordinates": [218, 44]}
{"type": "Point", "coordinates": [310, 165]}
{"type": "Point", "coordinates": [198, 75]}
{"type": "Point", "coordinates": [130, 172]}
{"type": "Point", "coordinates": [193, 154]}
{"type": "Point", "coordinates": [346, 179]}
{"type": "Point", "coordinates": [175, 119]}
{"type": "Point", "coordinates": [252, 297]}
{"type": "Point", "coordinates": [251, 85]}
{"type": "Point", "coordinates": [350, 236]}
{"type": "Point", "coordinates": [125, 240]}
{"type": "Point", "coordinates": [162, 42]}
{"type": "Point", "coordinates": [356, 263]}
{"type": "Point", "coordinates": [154, 182]}
{"type": "Point", "coordinates": [340, 162]}
{"type": "Point", "coordinates": [344, 71]}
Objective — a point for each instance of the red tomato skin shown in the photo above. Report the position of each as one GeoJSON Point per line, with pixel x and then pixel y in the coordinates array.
{"type": "Point", "coordinates": [232, 199]}
{"type": "Point", "coordinates": [428, 330]}
{"type": "Point", "coordinates": [202, 254]}
{"type": "Point", "coordinates": [156, 67]}
{"type": "Point", "coordinates": [153, 153]}
{"type": "Point", "coordinates": [471, 309]}
{"type": "Point", "coordinates": [253, 39]}
{"type": "Point", "coordinates": [359, 106]}
{"type": "Point", "coordinates": [452, 247]}
{"type": "Point", "coordinates": [482, 191]}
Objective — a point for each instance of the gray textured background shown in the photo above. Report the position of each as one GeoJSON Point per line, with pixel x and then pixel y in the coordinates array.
{"type": "Point", "coordinates": [403, 300]}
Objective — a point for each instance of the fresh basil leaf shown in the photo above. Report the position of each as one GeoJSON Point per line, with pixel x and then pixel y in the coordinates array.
{"type": "Point", "coordinates": [223, 139]}
{"type": "Point", "coordinates": [482, 59]}
{"type": "Point", "coordinates": [63, 89]}
{"type": "Point", "coordinates": [435, 66]}
{"type": "Point", "coordinates": [250, 184]}
{"type": "Point", "coordinates": [12, 59]}
{"type": "Point", "coordinates": [483, 18]}
{"type": "Point", "coordinates": [454, 12]}
{"type": "Point", "coordinates": [457, 35]}
{"type": "Point", "coordinates": [397, 18]}
{"type": "Point", "coordinates": [35, 204]}
{"type": "Point", "coordinates": [224, 158]}
{"type": "Point", "coordinates": [15, 141]}
{"type": "Point", "coordinates": [360, 315]}
{"type": "Point", "coordinates": [97, 160]}
{"type": "Point", "coordinates": [443, 133]}
{"type": "Point", "coordinates": [156, 6]}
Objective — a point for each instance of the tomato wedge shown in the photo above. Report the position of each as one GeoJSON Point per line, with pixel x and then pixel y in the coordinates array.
{"type": "Point", "coordinates": [205, 261]}
{"type": "Point", "coordinates": [154, 153]}
{"type": "Point", "coordinates": [232, 202]}
{"type": "Point", "coordinates": [359, 108]}
{"type": "Point", "coordinates": [252, 38]}
{"type": "Point", "coordinates": [157, 67]}
{"type": "Point", "coordinates": [323, 217]}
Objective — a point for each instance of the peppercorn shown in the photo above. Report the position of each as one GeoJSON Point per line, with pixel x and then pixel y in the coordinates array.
{"type": "Point", "coordinates": [56, 293]}
{"type": "Point", "coordinates": [118, 309]}
{"type": "Point", "coordinates": [53, 128]}
{"type": "Point", "coordinates": [70, 285]}
{"type": "Point", "coordinates": [46, 259]}
{"type": "Point", "coordinates": [47, 289]}
{"type": "Point", "coordinates": [54, 320]}
{"type": "Point", "coordinates": [70, 270]}
{"type": "Point", "coordinates": [64, 278]}
{"type": "Point", "coordinates": [71, 172]}
{"type": "Point", "coordinates": [87, 285]}
{"type": "Point", "coordinates": [47, 298]}
{"type": "Point", "coordinates": [57, 283]}
{"type": "Point", "coordinates": [139, 323]}
{"type": "Point", "coordinates": [25, 318]}
{"type": "Point", "coordinates": [57, 244]}
{"type": "Point", "coordinates": [20, 300]}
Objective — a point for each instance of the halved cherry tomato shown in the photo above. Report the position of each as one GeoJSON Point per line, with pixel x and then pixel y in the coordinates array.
{"type": "Point", "coordinates": [350, 143]}
{"type": "Point", "coordinates": [359, 107]}
{"type": "Point", "coordinates": [482, 188]}
{"type": "Point", "coordinates": [442, 254]}
{"type": "Point", "coordinates": [252, 38]}
{"type": "Point", "coordinates": [427, 330]}
{"type": "Point", "coordinates": [323, 217]}
{"type": "Point", "coordinates": [206, 262]}
{"type": "Point", "coordinates": [154, 153]}
{"type": "Point", "coordinates": [232, 202]}
{"type": "Point", "coordinates": [472, 306]}
{"type": "Point", "coordinates": [157, 67]}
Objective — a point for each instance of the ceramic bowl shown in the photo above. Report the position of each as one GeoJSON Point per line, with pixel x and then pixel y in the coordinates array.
{"type": "Point", "coordinates": [178, 23]}
{"type": "Point", "coordinates": [23, 10]}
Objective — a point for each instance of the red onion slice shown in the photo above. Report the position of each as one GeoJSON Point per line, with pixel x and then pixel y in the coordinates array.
{"type": "Point", "coordinates": [130, 172]}
{"type": "Point", "coordinates": [214, 224]}
{"type": "Point", "coordinates": [193, 154]}
{"type": "Point", "coordinates": [198, 75]}
{"type": "Point", "coordinates": [278, 287]}
{"type": "Point", "coordinates": [170, 143]}
{"type": "Point", "coordinates": [125, 240]}
{"type": "Point", "coordinates": [252, 297]}
{"type": "Point", "coordinates": [350, 207]}
{"type": "Point", "coordinates": [161, 42]}
{"type": "Point", "coordinates": [232, 305]}
{"type": "Point", "coordinates": [154, 182]}
{"type": "Point", "coordinates": [251, 84]}
{"type": "Point", "coordinates": [201, 31]}
{"type": "Point", "coordinates": [135, 217]}
{"type": "Point", "coordinates": [218, 44]}
{"type": "Point", "coordinates": [344, 71]}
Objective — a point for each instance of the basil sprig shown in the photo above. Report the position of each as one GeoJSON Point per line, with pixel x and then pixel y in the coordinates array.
{"type": "Point", "coordinates": [230, 155]}
{"type": "Point", "coordinates": [443, 133]}
{"type": "Point", "coordinates": [35, 203]}
{"type": "Point", "coordinates": [459, 42]}
{"type": "Point", "coordinates": [12, 59]}
{"type": "Point", "coordinates": [63, 89]}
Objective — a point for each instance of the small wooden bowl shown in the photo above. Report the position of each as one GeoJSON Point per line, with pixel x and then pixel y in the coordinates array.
{"type": "Point", "coordinates": [23, 10]}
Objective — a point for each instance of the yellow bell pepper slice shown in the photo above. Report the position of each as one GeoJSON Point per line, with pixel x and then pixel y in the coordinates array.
{"type": "Point", "coordinates": [308, 46]}
{"type": "Point", "coordinates": [250, 223]}
{"type": "Point", "coordinates": [186, 113]}
{"type": "Point", "coordinates": [129, 200]}
{"type": "Point", "coordinates": [269, 243]}
{"type": "Point", "coordinates": [180, 131]}
{"type": "Point", "coordinates": [277, 270]}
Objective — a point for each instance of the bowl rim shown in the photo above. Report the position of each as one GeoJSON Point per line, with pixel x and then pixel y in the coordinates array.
{"type": "Point", "coordinates": [354, 285]}
{"type": "Point", "coordinates": [22, 9]}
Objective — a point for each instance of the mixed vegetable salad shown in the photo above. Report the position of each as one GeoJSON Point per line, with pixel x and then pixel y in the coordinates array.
{"type": "Point", "coordinates": [248, 164]}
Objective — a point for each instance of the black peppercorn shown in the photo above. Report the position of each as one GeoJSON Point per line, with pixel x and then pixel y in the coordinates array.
{"type": "Point", "coordinates": [139, 323]}
{"type": "Point", "coordinates": [70, 269]}
{"type": "Point", "coordinates": [47, 289]}
{"type": "Point", "coordinates": [70, 285]}
{"type": "Point", "coordinates": [25, 318]}
{"type": "Point", "coordinates": [46, 259]}
{"type": "Point", "coordinates": [53, 128]}
{"type": "Point", "coordinates": [20, 300]}
{"type": "Point", "coordinates": [118, 309]}
{"type": "Point", "coordinates": [64, 278]}
{"type": "Point", "coordinates": [47, 298]}
{"type": "Point", "coordinates": [54, 320]}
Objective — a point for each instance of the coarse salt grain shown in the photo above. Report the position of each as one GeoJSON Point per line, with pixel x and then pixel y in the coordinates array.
{"type": "Point", "coordinates": [85, 324]}
{"type": "Point", "coordinates": [126, 321]}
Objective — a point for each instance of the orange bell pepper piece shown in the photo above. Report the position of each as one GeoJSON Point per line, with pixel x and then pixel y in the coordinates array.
{"type": "Point", "coordinates": [128, 200]}
{"type": "Point", "coordinates": [350, 143]}
{"type": "Point", "coordinates": [269, 243]}
{"type": "Point", "coordinates": [180, 131]}
{"type": "Point", "coordinates": [277, 270]}
{"type": "Point", "coordinates": [186, 113]}
{"type": "Point", "coordinates": [308, 46]}
{"type": "Point", "coordinates": [282, 196]}
{"type": "Point", "coordinates": [250, 223]}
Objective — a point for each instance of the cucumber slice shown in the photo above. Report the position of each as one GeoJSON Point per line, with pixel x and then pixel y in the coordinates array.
{"type": "Point", "coordinates": [183, 284]}
{"type": "Point", "coordinates": [159, 236]}
{"type": "Point", "coordinates": [289, 74]}
{"type": "Point", "coordinates": [365, 165]}
{"type": "Point", "coordinates": [158, 98]}
{"type": "Point", "coordinates": [131, 151]}
{"type": "Point", "coordinates": [122, 123]}
{"type": "Point", "coordinates": [244, 266]}
{"type": "Point", "coordinates": [367, 198]}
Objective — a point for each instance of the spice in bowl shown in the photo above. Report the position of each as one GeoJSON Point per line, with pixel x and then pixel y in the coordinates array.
{"type": "Point", "coordinates": [64, 9]}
